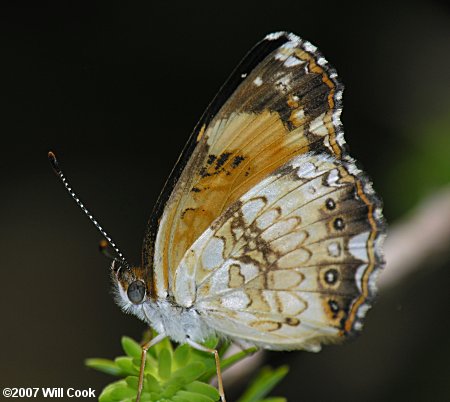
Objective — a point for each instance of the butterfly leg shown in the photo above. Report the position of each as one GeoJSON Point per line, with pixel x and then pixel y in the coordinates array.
{"type": "Point", "coordinates": [216, 356]}
{"type": "Point", "coordinates": [145, 347]}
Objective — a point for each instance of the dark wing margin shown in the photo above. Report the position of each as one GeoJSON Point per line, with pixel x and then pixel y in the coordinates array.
{"type": "Point", "coordinates": [258, 53]}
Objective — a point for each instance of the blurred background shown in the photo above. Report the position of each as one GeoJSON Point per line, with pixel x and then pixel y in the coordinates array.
{"type": "Point", "coordinates": [115, 91]}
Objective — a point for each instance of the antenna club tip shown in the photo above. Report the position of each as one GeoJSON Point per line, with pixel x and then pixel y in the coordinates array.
{"type": "Point", "coordinates": [102, 245]}
{"type": "Point", "coordinates": [54, 162]}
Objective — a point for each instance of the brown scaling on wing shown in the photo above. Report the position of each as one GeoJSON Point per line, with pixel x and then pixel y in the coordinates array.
{"type": "Point", "coordinates": [263, 125]}
{"type": "Point", "coordinates": [347, 216]}
{"type": "Point", "coordinates": [375, 262]}
{"type": "Point", "coordinates": [327, 115]}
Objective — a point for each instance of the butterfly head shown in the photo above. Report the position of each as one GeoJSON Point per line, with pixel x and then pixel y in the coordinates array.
{"type": "Point", "coordinates": [131, 286]}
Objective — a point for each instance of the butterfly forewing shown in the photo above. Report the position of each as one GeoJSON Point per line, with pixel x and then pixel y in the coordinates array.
{"type": "Point", "coordinates": [286, 102]}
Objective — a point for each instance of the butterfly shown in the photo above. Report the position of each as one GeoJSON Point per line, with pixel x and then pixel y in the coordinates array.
{"type": "Point", "coordinates": [266, 231]}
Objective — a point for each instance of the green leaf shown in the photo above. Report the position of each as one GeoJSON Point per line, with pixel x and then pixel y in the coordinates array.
{"type": "Point", "coordinates": [118, 391]}
{"type": "Point", "coordinates": [131, 347]}
{"type": "Point", "coordinates": [151, 384]}
{"type": "Point", "coordinates": [181, 355]}
{"type": "Point", "coordinates": [165, 364]}
{"type": "Point", "coordinates": [126, 364]}
{"type": "Point", "coordinates": [178, 399]}
{"type": "Point", "coordinates": [148, 397]}
{"type": "Point", "coordinates": [178, 375]}
{"type": "Point", "coordinates": [105, 366]}
{"type": "Point", "coordinates": [265, 381]}
{"type": "Point", "coordinates": [225, 363]}
{"type": "Point", "coordinates": [191, 372]}
{"type": "Point", "coordinates": [204, 389]}
{"type": "Point", "coordinates": [211, 343]}
{"type": "Point", "coordinates": [172, 387]}
{"type": "Point", "coordinates": [132, 382]}
{"type": "Point", "coordinates": [105, 396]}
{"type": "Point", "coordinates": [192, 397]}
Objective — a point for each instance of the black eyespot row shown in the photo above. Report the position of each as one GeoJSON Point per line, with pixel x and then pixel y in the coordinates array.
{"type": "Point", "coordinates": [330, 204]}
{"type": "Point", "coordinates": [338, 224]}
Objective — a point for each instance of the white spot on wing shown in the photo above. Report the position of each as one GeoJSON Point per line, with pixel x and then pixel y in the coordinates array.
{"type": "Point", "coordinates": [307, 170]}
{"type": "Point", "coordinates": [362, 311]}
{"type": "Point", "coordinates": [340, 138]}
{"type": "Point", "coordinates": [294, 41]}
{"type": "Point", "coordinates": [357, 246]}
{"type": "Point", "coordinates": [267, 219]}
{"type": "Point", "coordinates": [281, 56]}
{"type": "Point", "coordinates": [294, 38]}
{"type": "Point", "coordinates": [279, 229]}
{"type": "Point", "coordinates": [368, 189]}
{"type": "Point", "coordinates": [299, 114]}
{"type": "Point", "coordinates": [317, 126]}
{"type": "Point", "coordinates": [249, 271]}
{"type": "Point", "coordinates": [258, 81]}
{"type": "Point", "coordinates": [274, 35]}
{"type": "Point", "coordinates": [309, 47]}
{"type": "Point", "coordinates": [235, 300]}
{"type": "Point", "coordinates": [212, 256]}
{"type": "Point", "coordinates": [290, 303]}
{"type": "Point", "coordinates": [289, 242]}
{"type": "Point", "coordinates": [333, 177]}
{"type": "Point", "coordinates": [334, 250]}
{"type": "Point", "coordinates": [358, 325]}
{"type": "Point", "coordinates": [313, 347]}
{"type": "Point", "coordinates": [337, 117]}
{"type": "Point", "coordinates": [251, 209]}
{"type": "Point", "coordinates": [294, 259]}
{"type": "Point", "coordinates": [352, 169]}
{"type": "Point", "coordinates": [373, 281]}
{"type": "Point", "coordinates": [359, 275]}
{"type": "Point", "coordinates": [292, 61]}
{"type": "Point", "coordinates": [378, 215]}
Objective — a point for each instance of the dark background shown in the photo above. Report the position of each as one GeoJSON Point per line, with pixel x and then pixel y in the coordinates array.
{"type": "Point", "coordinates": [115, 92]}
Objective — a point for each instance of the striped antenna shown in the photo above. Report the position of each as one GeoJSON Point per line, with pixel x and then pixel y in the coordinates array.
{"type": "Point", "coordinates": [59, 173]}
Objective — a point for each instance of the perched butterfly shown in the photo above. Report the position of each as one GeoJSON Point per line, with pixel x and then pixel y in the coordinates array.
{"type": "Point", "coordinates": [266, 232]}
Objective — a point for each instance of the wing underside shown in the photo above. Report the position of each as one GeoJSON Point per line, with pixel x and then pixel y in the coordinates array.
{"type": "Point", "coordinates": [283, 100]}
{"type": "Point", "coordinates": [292, 263]}
{"type": "Point", "coordinates": [266, 226]}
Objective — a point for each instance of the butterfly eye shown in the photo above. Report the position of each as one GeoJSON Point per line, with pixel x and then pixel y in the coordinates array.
{"type": "Point", "coordinates": [136, 292]}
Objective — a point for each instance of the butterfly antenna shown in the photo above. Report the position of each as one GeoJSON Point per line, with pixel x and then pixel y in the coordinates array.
{"type": "Point", "coordinates": [59, 173]}
{"type": "Point", "coordinates": [103, 248]}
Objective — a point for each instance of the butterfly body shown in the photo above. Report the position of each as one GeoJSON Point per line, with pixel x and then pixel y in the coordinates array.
{"type": "Point", "coordinates": [165, 316]}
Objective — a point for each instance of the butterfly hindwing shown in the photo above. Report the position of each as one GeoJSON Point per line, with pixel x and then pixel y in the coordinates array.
{"type": "Point", "coordinates": [292, 262]}
{"type": "Point", "coordinates": [282, 101]}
